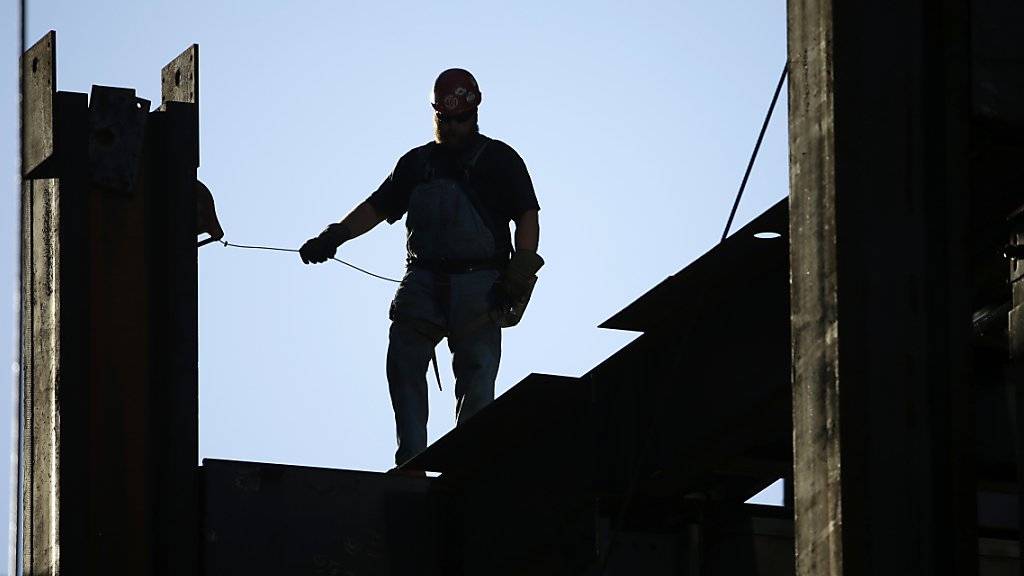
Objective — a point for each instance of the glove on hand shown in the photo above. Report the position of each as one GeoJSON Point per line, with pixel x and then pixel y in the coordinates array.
{"type": "Point", "coordinates": [520, 274]}
{"type": "Point", "coordinates": [516, 286]}
{"type": "Point", "coordinates": [323, 247]}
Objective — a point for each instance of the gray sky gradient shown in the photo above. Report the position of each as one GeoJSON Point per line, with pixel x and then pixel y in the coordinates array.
{"type": "Point", "coordinates": [635, 121]}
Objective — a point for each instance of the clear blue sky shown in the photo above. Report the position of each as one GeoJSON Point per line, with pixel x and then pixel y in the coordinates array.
{"type": "Point", "coordinates": [635, 120]}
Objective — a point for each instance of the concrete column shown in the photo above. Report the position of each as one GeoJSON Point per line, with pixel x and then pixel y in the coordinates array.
{"type": "Point", "coordinates": [880, 312]}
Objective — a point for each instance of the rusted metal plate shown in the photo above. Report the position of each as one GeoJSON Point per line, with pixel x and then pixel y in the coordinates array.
{"type": "Point", "coordinates": [179, 82]}
{"type": "Point", "coordinates": [179, 79]}
{"type": "Point", "coordinates": [39, 83]}
{"type": "Point", "coordinates": [117, 125]}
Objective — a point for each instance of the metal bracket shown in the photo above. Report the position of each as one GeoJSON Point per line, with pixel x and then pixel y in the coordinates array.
{"type": "Point", "coordinates": [179, 82]}
{"type": "Point", "coordinates": [39, 86]}
{"type": "Point", "coordinates": [117, 124]}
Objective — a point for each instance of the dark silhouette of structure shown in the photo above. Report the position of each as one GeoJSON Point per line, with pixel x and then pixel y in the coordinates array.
{"type": "Point", "coordinates": [871, 355]}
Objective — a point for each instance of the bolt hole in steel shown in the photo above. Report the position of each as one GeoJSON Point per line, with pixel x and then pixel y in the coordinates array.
{"type": "Point", "coordinates": [767, 235]}
{"type": "Point", "coordinates": [35, 65]}
{"type": "Point", "coordinates": [177, 77]}
{"type": "Point", "coordinates": [138, 105]}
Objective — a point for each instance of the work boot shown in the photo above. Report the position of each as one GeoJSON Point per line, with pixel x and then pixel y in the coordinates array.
{"type": "Point", "coordinates": [407, 472]}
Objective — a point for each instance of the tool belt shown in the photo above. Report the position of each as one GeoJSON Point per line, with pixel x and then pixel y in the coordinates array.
{"type": "Point", "coordinates": [447, 266]}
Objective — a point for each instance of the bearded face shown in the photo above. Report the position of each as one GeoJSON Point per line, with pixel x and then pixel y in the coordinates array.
{"type": "Point", "coordinates": [455, 131]}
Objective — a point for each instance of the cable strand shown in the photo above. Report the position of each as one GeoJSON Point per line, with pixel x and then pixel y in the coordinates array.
{"type": "Point", "coordinates": [757, 147]}
{"type": "Point", "coordinates": [339, 260]}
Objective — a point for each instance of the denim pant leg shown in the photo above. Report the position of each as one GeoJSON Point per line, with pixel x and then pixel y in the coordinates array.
{"type": "Point", "coordinates": [475, 342]}
{"type": "Point", "coordinates": [409, 351]}
{"type": "Point", "coordinates": [415, 331]}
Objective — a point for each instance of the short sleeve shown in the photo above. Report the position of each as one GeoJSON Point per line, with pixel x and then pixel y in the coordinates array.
{"type": "Point", "coordinates": [392, 197]}
{"type": "Point", "coordinates": [518, 195]}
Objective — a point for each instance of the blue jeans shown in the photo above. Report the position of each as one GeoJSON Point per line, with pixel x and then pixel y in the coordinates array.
{"type": "Point", "coordinates": [427, 307]}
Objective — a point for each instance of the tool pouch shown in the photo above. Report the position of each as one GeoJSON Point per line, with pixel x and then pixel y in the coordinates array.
{"type": "Point", "coordinates": [522, 273]}
{"type": "Point", "coordinates": [510, 315]}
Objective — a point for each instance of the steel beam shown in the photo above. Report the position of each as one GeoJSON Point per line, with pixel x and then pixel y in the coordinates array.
{"type": "Point", "coordinates": [880, 317]}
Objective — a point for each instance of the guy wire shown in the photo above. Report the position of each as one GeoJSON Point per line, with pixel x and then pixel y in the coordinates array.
{"type": "Point", "coordinates": [757, 147]}
{"type": "Point", "coordinates": [16, 528]}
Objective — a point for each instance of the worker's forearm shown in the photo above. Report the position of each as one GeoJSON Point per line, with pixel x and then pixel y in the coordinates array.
{"type": "Point", "coordinates": [527, 232]}
{"type": "Point", "coordinates": [362, 219]}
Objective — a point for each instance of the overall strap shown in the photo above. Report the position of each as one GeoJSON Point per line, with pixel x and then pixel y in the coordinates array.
{"type": "Point", "coordinates": [468, 165]}
{"type": "Point", "coordinates": [467, 168]}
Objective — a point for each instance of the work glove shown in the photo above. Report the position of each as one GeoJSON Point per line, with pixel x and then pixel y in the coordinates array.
{"type": "Point", "coordinates": [322, 248]}
{"type": "Point", "coordinates": [515, 287]}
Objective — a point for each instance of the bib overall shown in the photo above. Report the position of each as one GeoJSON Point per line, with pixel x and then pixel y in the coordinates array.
{"type": "Point", "coordinates": [448, 283]}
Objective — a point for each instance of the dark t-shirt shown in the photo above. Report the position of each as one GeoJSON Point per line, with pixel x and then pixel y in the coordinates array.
{"type": "Point", "coordinates": [499, 178]}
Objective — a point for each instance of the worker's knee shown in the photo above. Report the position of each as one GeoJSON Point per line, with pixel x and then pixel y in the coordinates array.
{"type": "Point", "coordinates": [410, 346]}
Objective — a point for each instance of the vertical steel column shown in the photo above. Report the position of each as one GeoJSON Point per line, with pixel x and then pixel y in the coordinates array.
{"type": "Point", "coordinates": [40, 315]}
{"type": "Point", "coordinates": [174, 261]}
{"type": "Point", "coordinates": [121, 324]}
{"type": "Point", "coordinates": [109, 324]}
{"type": "Point", "coordinates": [54, 389]}
{"type": "Point", "coordinates": [880, 312]}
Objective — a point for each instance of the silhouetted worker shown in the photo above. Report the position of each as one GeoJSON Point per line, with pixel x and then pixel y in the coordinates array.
{"type": "Point", "coordinates": [464, 280]}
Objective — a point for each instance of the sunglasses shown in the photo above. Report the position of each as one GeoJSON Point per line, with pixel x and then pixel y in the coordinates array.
{"type": "Point", "coordinates": [460, 118]}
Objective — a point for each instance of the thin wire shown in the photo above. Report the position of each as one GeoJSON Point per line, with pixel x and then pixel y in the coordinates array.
{"type": "Point", "coordinates": [757, 146]}
{"type": "Point", "coordinates": [275, 249]}
{"type": "Point", "coordinates": [15, 548]}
